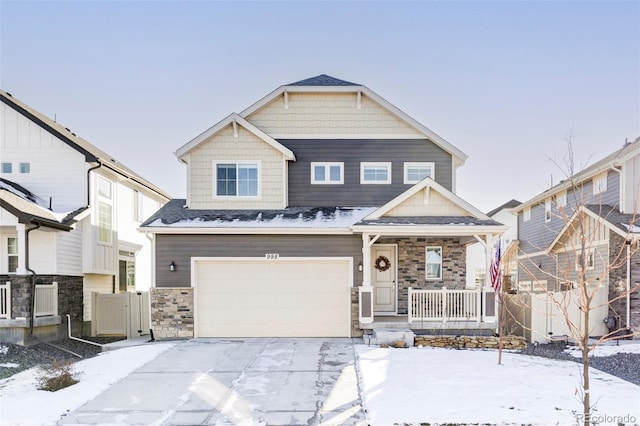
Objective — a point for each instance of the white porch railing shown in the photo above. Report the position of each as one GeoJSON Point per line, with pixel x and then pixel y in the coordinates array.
{"type": "Point", "coordinates": [5, 300]}
{"type": "Point", "coordinates": [46, 300]}
{"type": "Point", "coordinates": [443, 305]}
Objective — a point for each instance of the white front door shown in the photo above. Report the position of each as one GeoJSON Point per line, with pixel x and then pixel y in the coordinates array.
{"type": "Point", "coordinates": [383, 278]}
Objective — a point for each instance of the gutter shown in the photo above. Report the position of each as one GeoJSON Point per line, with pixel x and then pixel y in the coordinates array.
{"type": "Point", "coordinates": [89, 181]}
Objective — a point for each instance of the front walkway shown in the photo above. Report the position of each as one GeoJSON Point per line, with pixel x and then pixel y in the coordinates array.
{"type": "Point", "coordinates": [236, 381]}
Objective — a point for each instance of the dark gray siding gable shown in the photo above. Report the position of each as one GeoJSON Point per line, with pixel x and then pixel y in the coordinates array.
{"type": "Point", "coordinates": [179, 249]}
{"type": "Point", "coordinates": [352, 152]}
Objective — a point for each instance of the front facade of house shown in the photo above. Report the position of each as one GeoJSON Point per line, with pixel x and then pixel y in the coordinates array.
{"type": "Point", "coordinates": [604, 199]}
{"type": "Point", "coordinates": [321, 210]}
{"type": "Point", "coordinates": [68, 219]}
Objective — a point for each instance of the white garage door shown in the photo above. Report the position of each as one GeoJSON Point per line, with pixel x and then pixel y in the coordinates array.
{"type": "Point", "coordinates": [273, 298]}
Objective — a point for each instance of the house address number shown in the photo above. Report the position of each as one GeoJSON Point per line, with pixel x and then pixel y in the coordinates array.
{"type": "Point", "coordinates": [272, 256]}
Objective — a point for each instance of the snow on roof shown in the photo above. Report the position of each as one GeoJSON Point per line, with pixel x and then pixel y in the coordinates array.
{"type": "Point", "coordinates": [175, 215]}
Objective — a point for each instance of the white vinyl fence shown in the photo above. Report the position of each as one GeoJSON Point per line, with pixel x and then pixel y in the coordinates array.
{"type": "Point", "coordinates": [120, 314]}
{"type": "Point", "coordinates": [5, 300]}
{"type": "Point", "coordinates": [543, 317]}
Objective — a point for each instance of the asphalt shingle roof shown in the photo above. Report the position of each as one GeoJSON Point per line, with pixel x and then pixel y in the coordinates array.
{"type": "Point", "coordinates": [508, 205]}
{"type": "Point", "coordinates": [174, 213]}
{"type": "Point", "coordinates": [614, 217]}
{"type": "Point", "coordinates": [429, 220]}
{"type": "Point", "coordinates": [323, 80]}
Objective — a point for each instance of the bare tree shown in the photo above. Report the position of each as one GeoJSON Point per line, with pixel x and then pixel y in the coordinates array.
{"type": "Point", "coordinates": [594, 245]}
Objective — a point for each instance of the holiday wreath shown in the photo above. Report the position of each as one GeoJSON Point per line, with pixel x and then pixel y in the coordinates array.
{"type": "Point", "coordinates": [382, 263]}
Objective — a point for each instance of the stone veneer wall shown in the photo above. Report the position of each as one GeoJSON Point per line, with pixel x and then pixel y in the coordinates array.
{"type": "Point", "coordinates": [458, 342]}
{"type": "Point", "coordinates": [411, 265]}
{"type": "Point", "coordinates": [618, 283]}
{"type": "Point", "coordinates": [355, 313]}
{"type": "Point", "coordinates": [69, 294]}
{"type": "Point", "coordinates": [172, 312]}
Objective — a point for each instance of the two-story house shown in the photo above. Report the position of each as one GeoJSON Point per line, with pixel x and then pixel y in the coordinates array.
{"type": "Point", "coordinates": [320, 210]}
{"type": "Point", "coordinates": [69, 215]}
{"type": "Point", "coordinates": [603, 201]}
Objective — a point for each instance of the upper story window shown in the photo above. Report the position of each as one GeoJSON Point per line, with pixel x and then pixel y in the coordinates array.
{"type": "Point", "coordinates": [433, 267]}
{"type": "Point", "coordinates": [104, 188]}
{"type": "Point", "coordinates": [561, 200]}
{"type": "Point", "coordinates": [600, 183]}
{"type": "Point", "coordinates": [547, 210]}
{"type": "Point", "coordinates": [12, 254]}
{"type": "Point", "coordinates": [526, 214]}
{"type": "Point", "coordinates": [375, 173]}
{"type": "Point", "coordinates": [105, 211]}
{"type": "Point", "coordinates": [237, 179]}
{"type": "Point", "coordinates": [138, 206]}
{"type": "Point", "coordinates": [589, 261]}
{"type": "Point", "coordinates": [415, 172]}
{"type": "Point", "coordinates": [327, 173]}
{"type": "Point", "coordinates": [25, 168]}
{"type": "Point", "coordinates": [7, 168]}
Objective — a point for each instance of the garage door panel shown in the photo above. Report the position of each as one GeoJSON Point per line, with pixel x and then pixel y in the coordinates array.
{"type": "Point", "coordinates": [283, 298]}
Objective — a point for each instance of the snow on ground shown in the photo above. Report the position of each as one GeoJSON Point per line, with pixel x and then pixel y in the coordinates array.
{"type": "Point", "coordinates": [399, 386]}
{"type": "Point", "coordinates": [608, 349]}
{"type": "Point", "coordinates": [468, 386]}
{"type": "Point", "coordinates": [21, 403]}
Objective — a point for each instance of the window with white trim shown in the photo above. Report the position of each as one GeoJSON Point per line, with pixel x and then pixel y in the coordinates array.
{"type": "Point", "coordinates": [526, 214]}
{"type": "Point", "coordinates": [105, 210]}
{"type": "Point", "coordinates": [24, 168]}
{"type": "Point", "coordinates": [12, 254]}
{"type": "Point", "coordinates": [375, 173]}
{"type": "Point", "coordinates": [327, 173]}
{"type": "Point", "coordinates": [600, 183]}
{"type": "Point", "coordinates": [237, 179]}
{"type": "Point", "coordinates": [561, 200]}
{"type": "Point", "coordinates": [138, 206]}
{"type": "Point", "coordinates": [589, 262]}
{"type": "Point", "coordinates": [433, 264]}
{"type": "Point", "coordinates": [415, 172]}
{"type": "Point", "coordinates": [7, 168]}
{"type": "Point", "coordinates": [547, 210]}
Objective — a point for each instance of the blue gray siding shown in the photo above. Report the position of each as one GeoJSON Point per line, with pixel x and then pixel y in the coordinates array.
{"type": "Point", "coordinates": [352, 153]}
{"type": "Point", "coordinates": [536, 234]}
{"type": "Point", "coordinates": [179, 249]}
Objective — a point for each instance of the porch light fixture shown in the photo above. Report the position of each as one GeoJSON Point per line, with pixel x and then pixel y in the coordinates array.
{"type": "Point", "coordinates": [360, 267]}
{"type": "Point", "coordinates": [172, 267]}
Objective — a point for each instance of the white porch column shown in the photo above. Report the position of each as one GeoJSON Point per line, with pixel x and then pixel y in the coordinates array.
{"type": "Point", "coordinates": [21, 228]}
{"type": "Point", "coordinates": [366, 291]}
{"type": "Point", "coordinates": [366, 261]}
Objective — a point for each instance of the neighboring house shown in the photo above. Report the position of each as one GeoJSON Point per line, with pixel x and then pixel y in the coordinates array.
{"type": "Point", "coordinates": [321, 210]}
{"type": "Point", "coordinates": [604, 197]}
{"type": "Point", "coordinates": [476, 253]}
{"type": "Point", "coordinates": [68, 219]}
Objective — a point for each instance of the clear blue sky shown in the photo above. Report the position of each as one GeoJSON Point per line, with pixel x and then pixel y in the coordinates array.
{"type": "Point", "coordinates": [504, 81]}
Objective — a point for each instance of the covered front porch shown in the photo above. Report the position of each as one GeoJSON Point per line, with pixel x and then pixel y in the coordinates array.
{"type": "Point", "coordinates": [414, 263]}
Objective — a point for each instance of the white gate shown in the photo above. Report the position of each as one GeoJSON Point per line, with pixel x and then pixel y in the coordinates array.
{"type": "Point", "coordinates": [551, 313]}
{"type": "Point", "coordinates": [120, 314]}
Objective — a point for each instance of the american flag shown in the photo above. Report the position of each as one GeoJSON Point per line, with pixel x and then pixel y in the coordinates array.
{"type": "Point", "coordinates": [494, 273]}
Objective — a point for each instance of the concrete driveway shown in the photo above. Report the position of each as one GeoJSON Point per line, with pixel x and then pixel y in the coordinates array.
{"type": "Point", "coordinates": [275, 381]}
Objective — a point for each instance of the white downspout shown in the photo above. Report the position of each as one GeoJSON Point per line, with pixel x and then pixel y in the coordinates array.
{"type": "Point", "coordinates": [628, 313]}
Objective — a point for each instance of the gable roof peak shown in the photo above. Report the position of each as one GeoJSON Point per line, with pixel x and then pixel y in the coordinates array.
{"type": "Point", "coordinates": [323, 80]}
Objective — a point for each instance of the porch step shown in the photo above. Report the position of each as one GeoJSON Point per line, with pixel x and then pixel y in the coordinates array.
{"type": "Point", "coordinates": [387, 336]}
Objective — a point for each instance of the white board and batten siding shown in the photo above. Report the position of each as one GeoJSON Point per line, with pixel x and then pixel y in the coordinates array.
{"type": "Point", "coordinates": [54, 166]}
{"type": "Point", "coordinates": [284, 297]}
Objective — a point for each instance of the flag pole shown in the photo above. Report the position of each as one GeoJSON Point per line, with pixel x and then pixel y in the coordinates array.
{"type": "Point", "coordinates": [496, 284]}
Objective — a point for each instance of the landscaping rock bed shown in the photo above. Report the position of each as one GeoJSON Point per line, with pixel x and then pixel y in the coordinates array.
{"type": "Point", "coordinates": [15, 358]}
